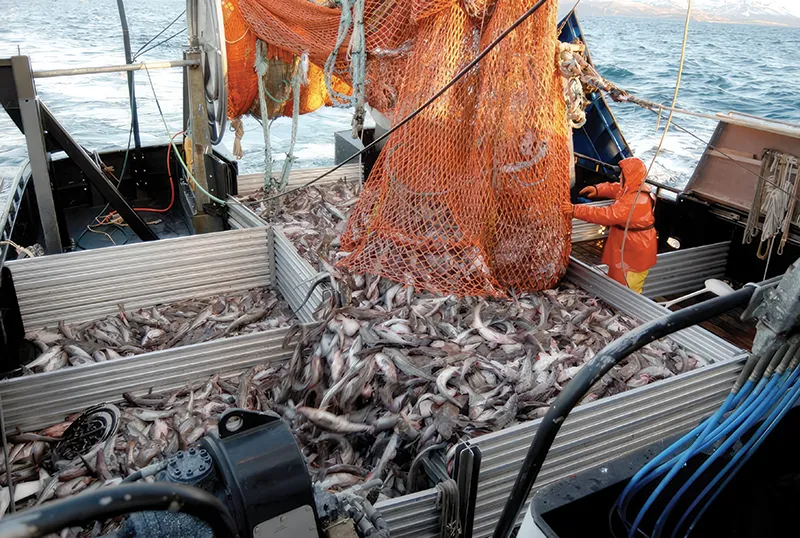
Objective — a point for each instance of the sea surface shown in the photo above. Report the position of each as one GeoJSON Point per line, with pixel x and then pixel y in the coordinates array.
{"type": "Point", "coordinates": [751, 69]}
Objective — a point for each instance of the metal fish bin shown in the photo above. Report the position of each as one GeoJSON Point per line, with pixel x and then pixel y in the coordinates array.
{"type": "Point", "coordinates": [88, 284]}
{"type": "Point", "coordinates": [594, 433]}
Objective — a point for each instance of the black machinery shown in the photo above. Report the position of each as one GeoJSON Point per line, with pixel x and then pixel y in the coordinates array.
{"type": "Point", "coordinates": [250, 480]}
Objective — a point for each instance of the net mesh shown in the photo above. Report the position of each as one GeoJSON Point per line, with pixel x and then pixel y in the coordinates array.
{"type": "Point", "coordinates": [240, 45]}
{"type": "Point", "coordinates": [466, 198]}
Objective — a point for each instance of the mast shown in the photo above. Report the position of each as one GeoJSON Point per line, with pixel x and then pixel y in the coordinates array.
{"type": "Point", "coordinates": [126, 39]}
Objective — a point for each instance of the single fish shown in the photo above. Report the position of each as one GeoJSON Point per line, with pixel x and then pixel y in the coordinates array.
{"type": "Point", "coordinates": [486, 332]}
{"type": "Point", "coordinates": [331, 422]}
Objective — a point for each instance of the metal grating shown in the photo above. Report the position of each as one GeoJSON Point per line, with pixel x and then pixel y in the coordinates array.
{"type": "Point", "coordinates": [694, 339]}
{"type": "Point", "coordinates": [249, 183]}
{"type": "Point", "coordinates": [294, 276]}
{"type": "Point", "coordinates": [81, 286]}
{"type": "Point", "coordinates": [41, 400]}
{"type": "Point", "coordinates": [685, 270]}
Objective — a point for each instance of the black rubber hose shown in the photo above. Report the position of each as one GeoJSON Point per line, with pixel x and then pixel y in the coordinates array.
{"type": "Point", "coordinates": [119, 500]}
{"type": "Point", "coordinates": [590, 374]}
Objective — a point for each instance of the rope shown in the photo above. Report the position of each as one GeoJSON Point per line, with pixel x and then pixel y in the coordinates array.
{"type": "Point", "coordinates": [777, 203]}
{"type": "Point", "coordinates": [261, 66]}
{"type": "Point", "coordinates": [345, 22]}
{"type": "Point", "coordinates": [246, 31]}
{"type": "Point", "coordinates": [448, 501]}
{"type": "Point", "coordinates": [170, 38]}
{"type": "Point", "coordinates": [358, 68]}
{"type": "Point", "coordinates": [238, 130]}
{"type": "Point", "coordinates": [167, 27]}
{"type": "Point", "coordinates": [300, 77]}
{"type": "Point", "coordinates": [661, 142]}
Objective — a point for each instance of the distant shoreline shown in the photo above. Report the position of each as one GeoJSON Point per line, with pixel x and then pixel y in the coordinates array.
{"type": "Point", "coordinates": [636, 12]}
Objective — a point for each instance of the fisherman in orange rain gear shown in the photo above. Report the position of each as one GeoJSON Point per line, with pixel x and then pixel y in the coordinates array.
{"type": "Point", "coordinates": [641, 245]}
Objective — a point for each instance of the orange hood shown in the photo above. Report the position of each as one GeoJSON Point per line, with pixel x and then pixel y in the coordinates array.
{"type": "Point", "coordinates": [634, 172]}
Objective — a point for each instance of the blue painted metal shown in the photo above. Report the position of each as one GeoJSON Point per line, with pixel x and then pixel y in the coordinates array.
{"type": "Point", "coordinates": [600, 138]}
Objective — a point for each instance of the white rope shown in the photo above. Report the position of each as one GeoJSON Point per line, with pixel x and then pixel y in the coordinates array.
{"type": "Point", "coordinates": [261, 67]}
{"type": "Point", "coordinates": [774, 197]}
{"type": "Point", "coordinates": [358, 68]}
{"type": "Point", "coordinates": [299, 77]}
{"type": "Point", "coordinates": [352, 18]}
{"type": "Point", "coordinates": [345, 22]}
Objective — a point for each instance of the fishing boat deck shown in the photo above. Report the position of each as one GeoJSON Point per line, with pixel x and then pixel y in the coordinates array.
{"type": "Point", "coordinates": [589, 251]}
{"type": "Point", "coordinates": [165, 225]}
{"type": "Point", "coordinates": [728, 326]}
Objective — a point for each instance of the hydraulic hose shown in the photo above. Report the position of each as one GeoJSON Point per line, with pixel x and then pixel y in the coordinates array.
{"type": "Point", "coordinates": [711, 435]}
{"type": "Point", "coordinates": [590, 374]}
{"type": "Point", "coordinates": [745, 417]}
{"type": "Point", "coordinates": [740, 458]}
{"type": "Point", "coordinates": [115, 501]}
{"type": "Point", "coordinates": [750, 421]}
{"type": "Point", "coordinates": [756, 374]}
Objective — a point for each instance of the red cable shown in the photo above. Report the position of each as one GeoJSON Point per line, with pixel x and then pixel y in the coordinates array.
{"type": "Point", "coordinates": [171, 186]}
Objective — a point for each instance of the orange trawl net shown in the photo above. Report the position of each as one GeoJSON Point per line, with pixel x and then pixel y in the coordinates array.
{"type": "Point", "coordinates": [465, 199]}
{"type": "Point", "coordinates": [240, 44]}
{"type": "Point", "coordinates": [284, 42]}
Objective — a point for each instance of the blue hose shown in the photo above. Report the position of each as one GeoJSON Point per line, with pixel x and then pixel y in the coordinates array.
{"type": "Point", "coordinates": [743, 455]}
{"type": "Point", "coordinates": [728, 425]}
{"type": "Point", "coordinates": [730, 402]}
{"type": "Point", "coordinates": [748, 392]}
{"type": "Point", "coordinates": [767, 400]}
{"type": "Point", "coordinates": [756, 399]}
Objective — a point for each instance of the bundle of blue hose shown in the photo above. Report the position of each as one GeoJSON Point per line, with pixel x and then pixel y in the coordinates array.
{"type": "Point", "coordinates": [767, 388]}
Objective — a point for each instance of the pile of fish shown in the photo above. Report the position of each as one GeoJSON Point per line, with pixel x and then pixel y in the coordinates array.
{"type": "Point", "coordinates": [149, 429]}
{"type": "Point", "coordinates": [313, 219]}
{"type": "Point", "coordinates": [165, 326]}
{"type": "Point", "coordinates": [386, 378]}
{"type": "Point", "coordinates": [372, 391]}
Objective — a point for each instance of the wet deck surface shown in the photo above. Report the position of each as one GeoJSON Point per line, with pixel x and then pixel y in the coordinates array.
{"type": "Point", "coordinates": [728, 325]}
{"type": "Point", "coordinates": [165, 226]}
{"type": "Point", "coordinates": [589, 251]}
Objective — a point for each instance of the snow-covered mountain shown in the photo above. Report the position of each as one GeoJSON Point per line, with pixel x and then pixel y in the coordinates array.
{"type": "Point", "coordinates": [773, 12]}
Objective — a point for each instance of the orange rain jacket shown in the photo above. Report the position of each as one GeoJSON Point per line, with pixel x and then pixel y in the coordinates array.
{"type": "Point", "coordinates": [641, 246]}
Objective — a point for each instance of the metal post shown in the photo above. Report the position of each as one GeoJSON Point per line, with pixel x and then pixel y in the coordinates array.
{"type": "Point", "coordinates": [126, 39]}
{"type": "Point", "coordinates": [37, 152]}
{"type": "Point", "coordinates": [141, 66]}
{"type": "Point", "coordinates": [201, 143]}
{"type": "Point", "coordinates": [95, 175]}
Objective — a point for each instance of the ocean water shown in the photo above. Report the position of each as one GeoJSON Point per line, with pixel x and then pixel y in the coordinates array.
{"type": "Point", "coordinates": [749, 69]}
